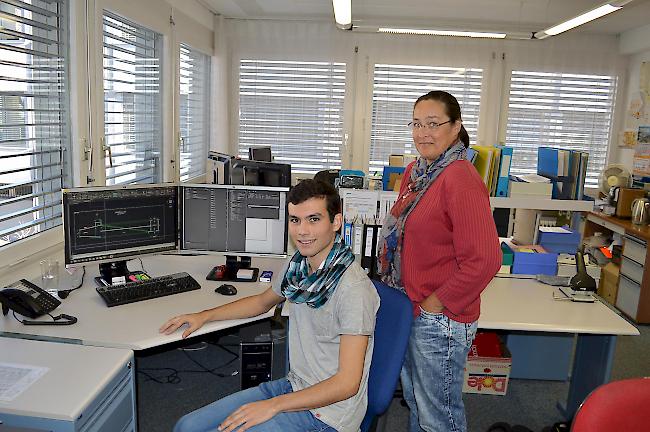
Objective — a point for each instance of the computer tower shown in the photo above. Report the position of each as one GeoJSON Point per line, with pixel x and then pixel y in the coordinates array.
{"type": "Point", "coordinates": [256, 354]}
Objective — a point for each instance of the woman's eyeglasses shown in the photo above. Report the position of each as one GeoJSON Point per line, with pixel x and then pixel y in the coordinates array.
{"type": "Point", "coordinates": [421, 126]}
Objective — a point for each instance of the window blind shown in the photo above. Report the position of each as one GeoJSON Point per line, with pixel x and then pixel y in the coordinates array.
{"type": "Point", "coordinates": [296, 108]}
{"type": "Point", "coordinates": [132, 112]}
{"type": "Point", "coordinates": [194, 112]}
{"type": "Point", "coordinates": [34, 129]}
{"type": "Point", "coordinates": [571, 111]}
{"type": "Point", "coordinates": [395, 90]}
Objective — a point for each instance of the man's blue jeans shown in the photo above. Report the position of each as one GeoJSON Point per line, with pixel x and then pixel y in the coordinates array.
{"type": "Point", "coordinates": [432, 375]}
{"type": "Point", "coordinates": [211, 416]}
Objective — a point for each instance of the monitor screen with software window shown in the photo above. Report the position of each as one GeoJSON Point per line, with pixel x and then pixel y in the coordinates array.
{"type": "Point", "coordinates": [234, 220]}
{"type": "Point", "coordinates": [106, 224]}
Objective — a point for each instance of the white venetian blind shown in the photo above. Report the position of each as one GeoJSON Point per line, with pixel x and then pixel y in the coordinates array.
{"type": "Point", "coordinates": [194, 112]}
{"type": "Point", "coordinates": [296, 108]}
{"type": "Point", "coordinates": [34, 128]}
{"type": "Point", "coordinates": [132, 113]}
{"type": "Point", "coordinates": [570, 111]}
{"type": "Point", "coordinates": [395, 90]}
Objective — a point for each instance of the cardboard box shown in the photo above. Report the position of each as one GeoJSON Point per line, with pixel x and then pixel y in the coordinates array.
{"type": "Point", "coordinates": [396, 160]}
{"type": "Point", "coordinates": [487, 370]}
{"type": "Point", "coordinates": [608, 286]}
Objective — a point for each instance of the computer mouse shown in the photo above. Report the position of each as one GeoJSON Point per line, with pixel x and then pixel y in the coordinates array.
{"type": "Point", "coordinates": [226, 289]}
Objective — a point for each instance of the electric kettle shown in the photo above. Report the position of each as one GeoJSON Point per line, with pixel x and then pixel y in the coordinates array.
{"type": "Point", "coordinates": [640, 211]}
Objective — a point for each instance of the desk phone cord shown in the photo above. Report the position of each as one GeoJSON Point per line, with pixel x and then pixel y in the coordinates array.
{"type": "Point", "coordinates": [58, 320]}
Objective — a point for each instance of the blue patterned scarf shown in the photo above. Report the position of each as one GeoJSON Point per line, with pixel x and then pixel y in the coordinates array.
{"type": "Point", "coordinates": [298, 286]}
{"type": "Point", "coordinates": [392, 231]}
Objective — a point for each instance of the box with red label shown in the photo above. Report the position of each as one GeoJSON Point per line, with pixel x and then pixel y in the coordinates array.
{"type": "Point", "coordinates": [488, 365]}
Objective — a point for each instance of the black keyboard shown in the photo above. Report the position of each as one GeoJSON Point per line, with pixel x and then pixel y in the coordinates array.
{"type": "Point", "coordinates": [160, 286]}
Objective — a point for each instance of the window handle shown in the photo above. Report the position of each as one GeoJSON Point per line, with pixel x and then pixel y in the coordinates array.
{"type": "Point", "coordinates": [107, 152]}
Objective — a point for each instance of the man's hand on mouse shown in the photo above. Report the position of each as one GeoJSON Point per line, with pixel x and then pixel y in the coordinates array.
{"type": "Point", "coordinates": [194, 322]}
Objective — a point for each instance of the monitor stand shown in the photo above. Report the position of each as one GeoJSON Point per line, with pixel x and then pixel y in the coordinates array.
{"type": "Point", "coordinates": [234, 264]}
{"type": "Point", "coordinates": [110, 270]}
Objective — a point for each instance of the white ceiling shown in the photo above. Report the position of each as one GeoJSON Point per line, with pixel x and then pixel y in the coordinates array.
{"type": "Point", "coordinates": [502, 15]}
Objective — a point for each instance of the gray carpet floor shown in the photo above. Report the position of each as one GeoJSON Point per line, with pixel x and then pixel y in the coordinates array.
{"type": "Point", "coordinates": [178, 380]}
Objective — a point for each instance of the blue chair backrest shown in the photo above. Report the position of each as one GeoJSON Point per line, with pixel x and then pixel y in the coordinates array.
{"type": "Point", "coordinates": [392, 331]}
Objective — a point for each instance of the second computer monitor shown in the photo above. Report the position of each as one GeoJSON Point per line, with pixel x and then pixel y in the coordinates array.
{"type": "Point", "coordinates": [234, 220]}
{"type": "Point", "coordinates": [255, 173]}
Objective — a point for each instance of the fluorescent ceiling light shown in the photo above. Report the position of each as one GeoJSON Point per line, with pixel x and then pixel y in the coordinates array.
{"type": "Point", "coordinates": [577, 21]}
{"type": "Point", "coordinates": [433, 32]}
{"type": "Point", "coordinates": [343, 13]}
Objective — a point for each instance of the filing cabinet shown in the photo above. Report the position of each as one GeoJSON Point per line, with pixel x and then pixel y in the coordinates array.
{"type": "Point", "coordinates": [633, 293]}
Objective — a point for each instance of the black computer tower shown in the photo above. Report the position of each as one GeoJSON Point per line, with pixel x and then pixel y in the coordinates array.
{"type": "Point", "coordinates": [256, 354]}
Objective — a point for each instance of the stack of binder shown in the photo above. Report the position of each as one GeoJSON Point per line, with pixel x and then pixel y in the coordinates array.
{"type": "Point", "coordinates": [493, 165]}
{"type": "Point", "coordinates": [566, 169]}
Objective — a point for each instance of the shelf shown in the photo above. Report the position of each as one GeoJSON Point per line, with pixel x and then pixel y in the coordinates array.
{"type": "Point", "coordinates": [541, 204]}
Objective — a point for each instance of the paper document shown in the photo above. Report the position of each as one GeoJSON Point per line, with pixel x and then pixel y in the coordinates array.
{"type": "Point", "coordinates": [554, 230]}
{"type": "Point", "coordinates": [533, 178]}
{"type": "Point", "coordinates": [359, 204]}
{"type": "Point", "coordinates": [16, 378]}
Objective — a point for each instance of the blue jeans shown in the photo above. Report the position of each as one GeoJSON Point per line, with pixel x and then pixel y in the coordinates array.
{"type": "Point", "coordinates": [211, 416]}
{"type": "Point", "coordinates": [432, 375]}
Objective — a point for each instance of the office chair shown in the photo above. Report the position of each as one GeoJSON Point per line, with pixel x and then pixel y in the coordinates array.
{"type": "Point", "coordinates": [328, 176]}
{"type": "Point", "coordinates": [615, 406]}
{"type": "Point", "coordinates": [392, 331]}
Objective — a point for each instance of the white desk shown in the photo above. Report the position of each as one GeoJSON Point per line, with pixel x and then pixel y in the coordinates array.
{"type": "Point", "coordinates": [527, 305]}
{"type": "Point", "coordinates": [135, 325]}
{"type": "Point", "coordinates": [85, 388]}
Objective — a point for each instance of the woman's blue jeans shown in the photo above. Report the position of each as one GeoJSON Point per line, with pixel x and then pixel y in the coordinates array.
{"type": "Point", "coordinates": [432, 375]}
{"type": "Point", "coordinates": [211, 416]}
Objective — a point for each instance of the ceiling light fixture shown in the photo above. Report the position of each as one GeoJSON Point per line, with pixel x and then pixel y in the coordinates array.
{"type": "Point", "coordinates": [343, 13]}
{"type": "Point", "coordinates": [591, 15]}
{"type": "Point", "coordinates": [434, 32]}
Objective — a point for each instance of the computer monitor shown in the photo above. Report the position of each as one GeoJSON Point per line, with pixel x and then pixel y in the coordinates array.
{"type": "Point", "coordinates": [256, 173]}
{"type": "Point", "coordinates": [262, 154]}
{"type": "Point", "coordinates": [236, 221]}
{"type": "Point", "coordinates": [111, 224]}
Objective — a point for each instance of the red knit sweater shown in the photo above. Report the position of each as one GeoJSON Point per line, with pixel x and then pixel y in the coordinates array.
{"type": "Point", "coordinates": [450, 243]}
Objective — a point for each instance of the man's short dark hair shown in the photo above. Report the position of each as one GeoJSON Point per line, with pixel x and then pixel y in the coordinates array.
{"type": "Point", "coordinates": [309, 188]}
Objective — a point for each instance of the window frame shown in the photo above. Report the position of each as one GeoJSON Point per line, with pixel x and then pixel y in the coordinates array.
{"type": "Point", "coordinates": [59, 32]}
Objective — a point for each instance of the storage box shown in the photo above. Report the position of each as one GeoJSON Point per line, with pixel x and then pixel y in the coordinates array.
{"type": "Point", "coordinates": [608, 286]}
{"type": "Point", "coordinates": [533, 259]}
{"type": "Point", "coordinates": [391, 176]}
{"type": "Point", "coordinates": [487, 370]}
{"type": "Point", "coordinates": [507, 254]}
{"type": "Point", "coordinates": [559, 242]}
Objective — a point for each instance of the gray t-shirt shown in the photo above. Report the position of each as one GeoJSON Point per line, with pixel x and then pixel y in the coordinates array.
{"type": "Point", "coordinates": [314, 340]}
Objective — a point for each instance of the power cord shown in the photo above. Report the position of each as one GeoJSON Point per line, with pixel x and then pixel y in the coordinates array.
{"type": "Point", "coordinates": [63, 294]}
{"type": "Point", "coordinates": [173, 377]}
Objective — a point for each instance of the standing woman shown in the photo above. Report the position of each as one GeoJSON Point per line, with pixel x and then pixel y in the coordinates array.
{"type": "Point", "coordinates": [439, 244]}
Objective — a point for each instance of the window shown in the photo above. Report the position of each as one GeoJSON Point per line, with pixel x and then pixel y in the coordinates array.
{"type": "Point", "coordinates": [294, 107]}
{"type": "Point", "coordinates": [34, 129]}
{"type": "Point", "coordinates": [132, 113]}
{"type": "Point", "coordinates": [194, 112]}
{"type": "Point", "coordinates": [571, 111]}
{"type": "Point", "coordinates": [395, 90]}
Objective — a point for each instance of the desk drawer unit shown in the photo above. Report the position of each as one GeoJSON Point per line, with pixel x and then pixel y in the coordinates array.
{"type": "Point", "coordinates": [635, 249]}
{"type": "Point", "coordinates": [627, 299]}
{"type": "Point", "coordinates": [632, 269]}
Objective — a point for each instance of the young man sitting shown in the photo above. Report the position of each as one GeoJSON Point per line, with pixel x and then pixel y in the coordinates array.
{"type": "Point", "coordinates": [330, 337]}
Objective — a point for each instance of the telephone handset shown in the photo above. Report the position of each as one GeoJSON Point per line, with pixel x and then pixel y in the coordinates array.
{"type": "Point", "coordinates": [27, 299]}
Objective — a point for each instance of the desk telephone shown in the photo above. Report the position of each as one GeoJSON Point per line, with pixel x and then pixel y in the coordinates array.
{"type": "Point", "coordinates": [31, 301]}
{"type": "Point", "coordinates": [27, 299]}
